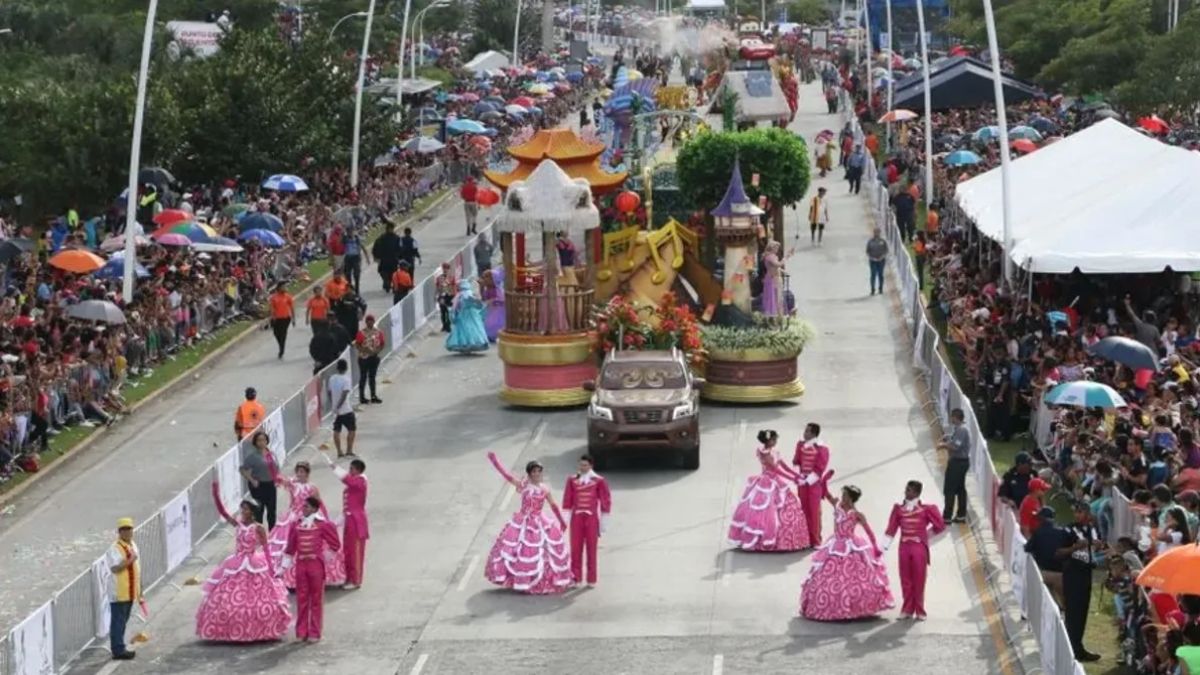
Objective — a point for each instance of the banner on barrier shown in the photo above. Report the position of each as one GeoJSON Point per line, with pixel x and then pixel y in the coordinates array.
{"type": "Point", "coordinates": [102, 590]}
{"type": "Point", "coordinates": [918, 359]}
{"type": "Point", "coordinates": [32, 643]}
{"type": "Point", "coordinates": [1048, 631]}
{"type": "Point", "coordinates": [177, 517]}
{"type": "Point", "coordinates": [1017, 568]}
{"type": "Point", "coordinates": [273, 428]}
{"type": "Point", "coordinates": [312, 405]}
{"type": "Point", "coordinates": [418, 294]}
{"type": "Point", "coordinates": [944, 394]}
{"type": "Point", "coordinates": [397, 326]}
{"type": "Point", "coordinates": [229, 478]}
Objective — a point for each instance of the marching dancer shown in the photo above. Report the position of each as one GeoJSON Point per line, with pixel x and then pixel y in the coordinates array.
{"type": "Point", "coordinates": [769, 516]}
{"type": "Point", "coordinates": [811, 461]}
{"type": "Point", "coordinates": [299, 489]}
{"type": "Point", "coordinates": [354, 517]}
{"type": "Point", "coordinates": [243, 601]}
{"type": "Point", "coordinates": [915, 522]}
{"type": "Point", "coordinates": [530, 555]}
{"type": "Point", "coordinates": [306, 550]}
{"type": "Point", "coordinates": [589, 501]}
{"type": "Point", "coordinates": [848, 580]}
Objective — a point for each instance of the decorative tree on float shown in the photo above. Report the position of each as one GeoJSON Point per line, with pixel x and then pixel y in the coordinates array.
{"type": "Point", "coordinates": [778, 157]}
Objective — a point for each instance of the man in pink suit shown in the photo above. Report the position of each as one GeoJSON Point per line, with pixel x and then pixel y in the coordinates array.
{"type": "Point", "coordinates": [306, 546]}
{"type": "Point", "coordinates": [914, 522]}
{"type": "Point", "coordinates": [589, 501]}
{"type": "Point", "coordinates": [812, 461]}
{"type": "Point", "coordinates": [354, 513]}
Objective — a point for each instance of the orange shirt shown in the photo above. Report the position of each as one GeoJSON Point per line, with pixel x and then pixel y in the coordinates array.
{"type": "Point", "coordinates": [334, 290]}
{"type": "Point", "coordinates": [318, 308]}
{"type": "Point", "coordinates": [918, 247]}
{"type": "Point", "coordinates": [932, 221]}
{"type": "Point", "coordinates": [281, 305]}
{"type": "Point", "coordinates": [872, 143]}
{"type": "Point", "coordinates": [915, 191]}
{"type": "Point", "coordinates": [249, 415]}
{"type": "Point", "coordinates": [401, 279]}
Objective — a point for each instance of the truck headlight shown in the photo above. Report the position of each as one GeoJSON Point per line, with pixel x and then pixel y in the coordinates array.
{"type": "Point", "coordinates": [684, 410]}
{"type": "Point", "coordinates": [600, 412]}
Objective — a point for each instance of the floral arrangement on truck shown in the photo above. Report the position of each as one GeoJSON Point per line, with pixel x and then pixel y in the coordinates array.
{"type": "Point", "coordinates": [625, 324]}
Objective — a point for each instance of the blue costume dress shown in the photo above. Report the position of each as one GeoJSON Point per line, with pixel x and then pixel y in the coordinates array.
{"type": "Point", "coordinates": [467, 333]}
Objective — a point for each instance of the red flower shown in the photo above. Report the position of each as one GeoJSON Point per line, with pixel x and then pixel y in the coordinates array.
{"type": "Point", "coordinates": [629, 339]}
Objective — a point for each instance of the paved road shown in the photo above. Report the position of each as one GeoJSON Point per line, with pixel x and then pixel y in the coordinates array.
{"type": "Point", "coordinates": [672, 597]}
{"type": "Point", "coordinates": [59, 526]}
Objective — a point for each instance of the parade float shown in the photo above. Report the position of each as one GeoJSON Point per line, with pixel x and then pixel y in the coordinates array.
{"type": "Point", "coordinates": [546, 346]}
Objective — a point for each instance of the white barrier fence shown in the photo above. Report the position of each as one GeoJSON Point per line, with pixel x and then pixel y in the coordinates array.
{"type": "Point", "coordinates": [1037, 605]}
{"type": "Point", "coordinates": [76, 617]}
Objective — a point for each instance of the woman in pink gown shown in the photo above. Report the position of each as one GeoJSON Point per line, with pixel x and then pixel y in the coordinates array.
{"type": "Point", "coordinates": [769, 516]}
{"type": "Point", "coordinates": [848, 579]}
{"type": "Point", "coordinates": [243, 600]}
{"type": "Point", "coordinates": [531, 553]}
{"type": "Point", "coordinates": [299, 489]}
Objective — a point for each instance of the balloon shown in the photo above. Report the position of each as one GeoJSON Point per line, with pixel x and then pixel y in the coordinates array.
{"type": "Point", "coordinates": [487, 197]}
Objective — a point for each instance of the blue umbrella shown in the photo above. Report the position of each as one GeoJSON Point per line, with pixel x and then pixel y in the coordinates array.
{"type": "Point", "coordinates": [466, 127]}
{"type": "Point", "coordinates": [1024, 132]}
{"type": "Point", "coordinates": [495, 99]}
{"type": "Point", "coordinates": [962, 158]}
{"type": "Point", "coordinates": [987, 134]}
{"type": "Point", "coordinates": [574, 77]}
{"type": "Point", "coordinates": [484, 107]}
{"type": "Point", "coordinates": [1085, 394]}
{"type": "Point", "coordinates": [265, 237]}
{"type": "Point", "coordinates": [1043, 124]}
{"type": "Point", "coordinates": [424, 145]}
{"type": "Point", "coordinates": [283, 182]}
{"type": "Point", "coordinates": [1125, 351]}
{"type": "Point", "coordinates": [260, 221]}
{"type": "Point", "coordinates": [115, 269]}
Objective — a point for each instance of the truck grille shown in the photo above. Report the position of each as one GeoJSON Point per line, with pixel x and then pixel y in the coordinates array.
{"type": "Point", "coordinates": [643, 416]}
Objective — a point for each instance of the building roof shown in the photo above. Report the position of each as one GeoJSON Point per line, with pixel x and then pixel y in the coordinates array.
{"type": "Point", "coordinates": [735, 202]}
{"type": "Point", "coordinates": [561, 145]}
{"type": "Point", "coordinates": [959, 82]}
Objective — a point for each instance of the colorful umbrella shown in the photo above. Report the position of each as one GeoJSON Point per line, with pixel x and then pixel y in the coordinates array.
{"type": "Point", "coordinates": [898, 115]}
{"type": "Point", "coordinates": [466, 127]}
{"type": "Point", "coordinates": [173, 239]}
{"type": "Point", "coordinates": [523, 101]}
{"type": "Point", "coordinates": [962, 158]}
{"type": "Point", "coordinates": [118, 242]}
{"type": "Point", "coordinates": [259, 221]}
{"type": "Point", "coordinates": [218, 245]}
{"type": "Point", "coordinates": [1174, 571]}
{"type": "Point", "coordinates": [515, 110]}
{"type": "Point", "coordinates": [77, 261]}
{"type": "Point", "coordinates": [284, 182]}
{"type": "Point", "coordinates": [1085, 394]}
{"type": "Point", "coordinates": [1024, 146]}
{"type": "Point", "coordinates": [115, 269]}
{"type": "Point", "coordinates": [265, 237]}
{"type": "Point", "coordinates": [192, 231]}
{"type": "Point", "coordinates": [1024, 132]}
{"type": "Point", "coordinates": [985, 134]}
{"type": "Point", "coordinates": [1154, 124]}
{"type": "Point", "coordinates": [172, 217]}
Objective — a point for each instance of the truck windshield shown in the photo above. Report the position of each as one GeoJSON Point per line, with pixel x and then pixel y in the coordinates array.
{"type": "Point", "coordinates": [643, 376]}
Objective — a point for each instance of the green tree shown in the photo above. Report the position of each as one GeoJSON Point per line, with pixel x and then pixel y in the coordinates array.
{"type": "Point", "coordinates": [494, 21]}
{"type": "Point", "coordinates": [779, 157]}
{"type": "Point", "coordinates": [809, 11]}
{"type": "Point", "coordinates": [1098, 62]}
{"type": "Point", "coordinates": [1168, 78]}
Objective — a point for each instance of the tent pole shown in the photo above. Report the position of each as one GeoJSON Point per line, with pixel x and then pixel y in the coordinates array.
{"type": "Point", "coordinates": [890, 55]}
{"type": "Point", "coordinates": [929, 195]}
{"type": "Point", "coordinates": [1002, 122]}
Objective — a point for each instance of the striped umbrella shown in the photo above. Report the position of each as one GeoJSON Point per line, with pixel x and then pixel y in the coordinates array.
{"type": "Point", "coordinates": [1085, 394]}
{"type": "Point", "coordinates": [284, 182]}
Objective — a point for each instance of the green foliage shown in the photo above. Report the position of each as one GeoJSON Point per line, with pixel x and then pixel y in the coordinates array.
{"type": "Point", "coordinates": [779, 157]}
{"type": "Point", "coordinates": [1168, 77]}
{"type": "Point", "coordinates": [494, 24]}
{"type": "Point", "coordinates": [809, 11]}
{"type": "Point", "coordinates": [782, 337]}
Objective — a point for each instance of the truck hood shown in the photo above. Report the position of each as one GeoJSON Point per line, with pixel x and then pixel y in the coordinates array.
{"type": "Point", "coordinates": [624, 398]}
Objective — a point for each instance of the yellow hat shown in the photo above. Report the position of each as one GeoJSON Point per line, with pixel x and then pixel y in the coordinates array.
{"type": "Point", "coordinates": [124, 523]}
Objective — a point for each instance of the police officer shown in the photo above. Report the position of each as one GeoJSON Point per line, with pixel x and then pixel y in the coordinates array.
{"type": "Point", "coordinates": [1081, 545]}
{"type": "Point", "coordinates": [997, 385]}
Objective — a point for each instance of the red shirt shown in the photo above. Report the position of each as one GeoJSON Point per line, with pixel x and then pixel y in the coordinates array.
{"type": "Point", "coordinates": [1029, 512]}
{"type": "Point", "coordinates": [336, 245]}
{"type": "Point", "coordinates": [469, 191]}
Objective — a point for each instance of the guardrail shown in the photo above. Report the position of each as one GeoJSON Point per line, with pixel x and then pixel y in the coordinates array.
{"type": "Point", "coordinates": [72, 621]}
{"type": "Point", "coordinates": [1028, 592]}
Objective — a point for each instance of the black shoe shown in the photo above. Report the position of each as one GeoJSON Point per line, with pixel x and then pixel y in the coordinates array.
{"type": "Point", "coordinates": [376, 399]}
{"type": "Point", "coordinates": [1086, 656]}
{"type": "Point", "coordinates": [126, 655]}
{"type": "Point", "coordinates": [363, 401]}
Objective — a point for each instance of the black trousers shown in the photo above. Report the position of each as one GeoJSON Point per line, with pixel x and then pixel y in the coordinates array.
{"type": "Point", "coordinates": [444, 303]}
{"type": "Point", "coordinates": [41, 432]}
{"type": "Point", "coordinates": [264, 495]}
{"type": "Point", "coordinates": [998, 418]}
{"type": "Point", "coordinates": [352, 267]}
{"type": "Point", "coordinates": [386, 269]}
{"type": "Point", "coordinates": [368, 368]}
{"type": "Point", "coordinates": [399, 294]}
{"type": "Point", "coordinates": [855, 178]}
{"type": "Point", "coordinates": [955, 488]}
{"type": "Point", "coordinates": [1077, 598]}
{"type": "Point", "coordinates": [280, 328]}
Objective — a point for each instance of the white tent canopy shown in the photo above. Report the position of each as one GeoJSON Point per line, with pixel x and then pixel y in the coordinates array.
{"type": "Point", "coordinates": [1106, 200]}
{"type": "Point", "coordinates": [487, 61]}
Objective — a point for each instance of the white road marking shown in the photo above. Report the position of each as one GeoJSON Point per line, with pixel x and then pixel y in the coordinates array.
{"type": "Point", "coordinates": [509, 491]}
{"type": "Point", "coordinates": [467, 573]}
{"type": "Point", "coordinates": [741, 435]}
{"type": "Point", "coordinates": [419, 665]}
{"type": "Point", "coordinates": [718, 664]}
{"type": "Point", "coordinates": [537, 434]}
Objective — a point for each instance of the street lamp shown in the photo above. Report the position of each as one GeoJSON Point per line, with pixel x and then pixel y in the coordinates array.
{"type": "Point", "coordinates": [400, 60]}
{"type": "Point", "coordinates": [420, 21]}
{"type": "Point", "coordinates": [928, 105]}
{"type": "Point", "coordinates": [516, 57]}
{"type": "Point", "coordinates": [339, 22]}
{"type": "Point", "coordinates": [891, 56]}
{"type": "Point", "coordinates": [362, 74]}
{"type": "Point", "coordinates": [1001, 121]}
{"type": "Point", "coordinates": [135, 155]}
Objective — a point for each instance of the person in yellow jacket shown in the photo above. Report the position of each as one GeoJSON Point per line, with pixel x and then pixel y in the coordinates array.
{"type": "Point", "coordinates": [122, 561]}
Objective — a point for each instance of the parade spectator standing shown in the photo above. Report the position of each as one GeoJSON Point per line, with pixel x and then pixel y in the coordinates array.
{"type": "Point", "coordinates": [1027, 514]}
{"type": "Point", "coordinates": [316, 311]}
{"type": "Point", "coordinates": [854, 168]}
{"type": "Point", "coordinates": [352, 264]}
{"type": "Point", "coordinates": [446, 286]}
{"type": "Point", "coordinates": [126, 589]}
{"type": "Point", "coordinates": [483, 253]}
{"type": "Point", "coordinates": [818, 216]}
{"type": "Point", "coordinates": [469, 192]}
{"type": "Point", "coordinates": [386, 250]}
{"type": "Point", "coordinates": [1082, 544]}
{"type": "Point", "coordinates": [958, 445]}
{"type": "Point", "coordinates": [877, 250]}
{"type": "Point", "coordinates": [256, 469]}
{"type": "Point", "coordinates": [336, 245]}
{"type": "Point", "coordinates": [402, 282]}
{"type": "Point", "coordinates": [369, 342]}
{"type": "Point", "coordinates": [283, 315]}
{"type": "Point", "coordinates": [905, 207]}
{"type": "Point", "coordinates": [339, 387]}
{"type": "Point", "coordinates": [409, 252]}
{"type": "Point", "coordinates": [249, 414]}
{"type": "Point", "coordinates": [1014, 484]}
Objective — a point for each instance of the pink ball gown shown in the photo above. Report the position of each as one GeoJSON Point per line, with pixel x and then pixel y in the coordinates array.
{"type": "Point", "coordinates": [335, 565]}
{"type": "Point", "coordinates": [847, 579]}
{"type": "Point", "coordinates": [769, 516]}
{"type": "Point", "coordinates": [531, 554]}
{"type": "Point", "coordinates": [243, 602]}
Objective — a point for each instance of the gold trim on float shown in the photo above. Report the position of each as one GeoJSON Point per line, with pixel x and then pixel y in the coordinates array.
{"type": "Point", "coordinates": [544, 353]}
{"type": "Point", "coordinates": [757, 355]}
{"type": "Point", "coordinates": [545, 398]}
{"type": "Point", "coordinates": [761, 393]}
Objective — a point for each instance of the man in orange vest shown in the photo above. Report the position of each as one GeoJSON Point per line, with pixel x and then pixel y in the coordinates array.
{"type": "Point", "coordinates": [283, 315]}
{"type": "Point", "coordinates": [249, 414]}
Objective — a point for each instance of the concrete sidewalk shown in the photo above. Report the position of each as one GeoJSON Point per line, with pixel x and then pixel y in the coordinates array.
{"type": "Point", "coordinates": [57, 527]}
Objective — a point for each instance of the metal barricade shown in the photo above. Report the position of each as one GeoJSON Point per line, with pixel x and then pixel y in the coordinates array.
{"type": "Point", "coordinates": [151, 539]}
{"type": "Point", "coordinates": [74, 613]}
{"type": "Point", "coordinates": [202, 507]}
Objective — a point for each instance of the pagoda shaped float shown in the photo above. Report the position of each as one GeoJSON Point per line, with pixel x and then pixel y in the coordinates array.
{"type": "Point", "coordinates": [575, 157]}
{"type": "Point", "coordinates": [545, 344]}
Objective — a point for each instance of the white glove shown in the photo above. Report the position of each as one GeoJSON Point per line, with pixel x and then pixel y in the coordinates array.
{"type": "Point", "coordinates": [812, 479]}
{"type": "Point", "coordinates": [284, 566]}
{"type": "Point", "coordinates": [339, 471]}
{"type": "Point", "coordinates": [887, 543]}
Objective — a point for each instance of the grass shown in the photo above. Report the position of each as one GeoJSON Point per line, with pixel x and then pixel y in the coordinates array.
{"type": "Point", "coordinates": [138, 390]}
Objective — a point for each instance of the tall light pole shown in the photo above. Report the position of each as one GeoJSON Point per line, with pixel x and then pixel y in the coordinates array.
{"type": "Point", "coordinates": [1001, 121]}
{"type": "Point", "coordinates": [135, 155]}
{"type": "Point", "coordinates": [868, 49]}
{"type": "Point", "coordinates": [516, 57]}
{"type": "Point", "coordinates": [891, 56]}
{"type": "Point", "coordinates": [928, 105]}
{"type": "Point", "coordinates": [358, 98]}
{"type": "Point", "coordinates": [344, 18]}
{"type": "Point", "coordinates": [420, 21]}
{"type": "Point", "coordinates": [400, 60]}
